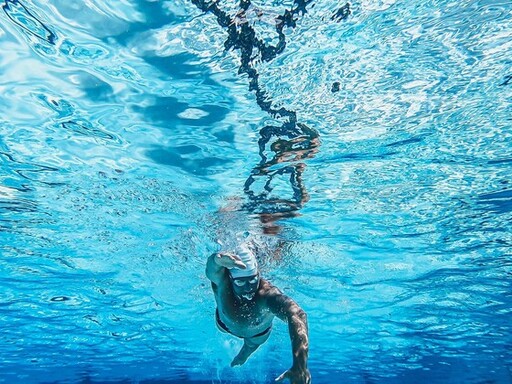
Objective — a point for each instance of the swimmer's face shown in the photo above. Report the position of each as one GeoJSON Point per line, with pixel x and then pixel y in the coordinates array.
{"type": "Point", "coordinates": [246, 287]}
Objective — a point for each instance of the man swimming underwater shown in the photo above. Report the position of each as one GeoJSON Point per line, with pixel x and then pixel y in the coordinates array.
{"type": "Point", "coordinates": [247, 305]}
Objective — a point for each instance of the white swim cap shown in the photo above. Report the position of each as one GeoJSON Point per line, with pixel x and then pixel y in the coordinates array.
{"type": "Point", "coordinates": [249, 259]}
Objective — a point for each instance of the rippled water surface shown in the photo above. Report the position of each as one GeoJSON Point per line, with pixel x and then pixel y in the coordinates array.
{"type": "Point", "coordinates": [366, 145]}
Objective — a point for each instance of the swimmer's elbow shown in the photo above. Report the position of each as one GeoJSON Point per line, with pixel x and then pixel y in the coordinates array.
{"type": "Point", "coordinates": [297, 314]}
{"type": "Point", "coordinates": [209, 269]}
{"type": "Point", "coordinates": [212, 271]}
{"type": "Point", "coordinates": [302, 315]}
{"type": "Point", "coordinates": [211, 275]}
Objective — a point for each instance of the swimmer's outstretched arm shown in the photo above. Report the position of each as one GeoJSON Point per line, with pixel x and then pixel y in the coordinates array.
{"type": "Point", "coordinates": [218, 262]}
{"type": "Point", "coordinates": [289, 311]}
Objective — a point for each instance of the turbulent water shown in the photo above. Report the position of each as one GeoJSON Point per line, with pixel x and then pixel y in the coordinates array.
{"type": "Point", "coordinates": [367, 145]}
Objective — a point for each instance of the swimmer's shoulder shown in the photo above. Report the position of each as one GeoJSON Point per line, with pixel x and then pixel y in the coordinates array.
{"type": "Point", "coordinates": [267, 289]}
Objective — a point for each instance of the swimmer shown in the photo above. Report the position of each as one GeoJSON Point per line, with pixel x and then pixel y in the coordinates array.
{"type": "Point", "coordinates": [247, 305]}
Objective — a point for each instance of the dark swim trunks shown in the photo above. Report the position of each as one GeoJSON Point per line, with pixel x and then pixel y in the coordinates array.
{"type": "Point", "coordinates": [226, 329]}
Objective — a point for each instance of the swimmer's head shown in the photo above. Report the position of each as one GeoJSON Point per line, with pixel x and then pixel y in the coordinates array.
{"type": "Point", "coordinates": [245, 282]}
{"type": "Point", "coordinates": [246, 287]}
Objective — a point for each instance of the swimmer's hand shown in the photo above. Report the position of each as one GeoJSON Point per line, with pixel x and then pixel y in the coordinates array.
{"type": "Point", "coordinates": [296, 376]}
{"type": "Point", "coordinates": [229, 260]}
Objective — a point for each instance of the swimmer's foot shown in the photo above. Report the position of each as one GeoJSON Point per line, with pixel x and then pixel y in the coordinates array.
{"type": "Point", "coordinates": [238, 360]}
{"type": "Point", "coordinates": [243, 355]}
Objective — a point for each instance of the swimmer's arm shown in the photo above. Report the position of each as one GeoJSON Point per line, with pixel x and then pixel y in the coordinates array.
{"type": "Point", "coordinates": [217, 264]}
{"type": "Point", "coordinates": [289, 311]}
{"type": "Point", "coordinates": [214, 272]}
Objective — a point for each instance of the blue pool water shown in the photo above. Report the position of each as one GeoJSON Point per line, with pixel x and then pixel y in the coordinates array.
{"type": "Point", "coordinates": [369, 142]}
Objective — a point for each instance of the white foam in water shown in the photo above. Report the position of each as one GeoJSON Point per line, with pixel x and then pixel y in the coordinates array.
{"type": "Point", "coordinates": [192, 113]}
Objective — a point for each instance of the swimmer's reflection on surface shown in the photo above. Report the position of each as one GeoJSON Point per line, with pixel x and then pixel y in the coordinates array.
{"type": "Point", "coordinates": [247, 304]}
{"type": "Point", "coordinates": [287, 146]}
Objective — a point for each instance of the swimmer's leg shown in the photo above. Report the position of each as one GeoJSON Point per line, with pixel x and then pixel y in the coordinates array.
{"type": "Point", "coordinates": [250, 345]}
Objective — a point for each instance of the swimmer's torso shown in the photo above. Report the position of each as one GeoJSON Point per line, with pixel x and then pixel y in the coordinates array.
{"type": "Point", "coordinates": [243, 318]}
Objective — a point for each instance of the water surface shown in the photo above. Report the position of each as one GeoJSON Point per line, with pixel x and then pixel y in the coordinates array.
{"type": "Point", "coordinates": [369, 142]}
